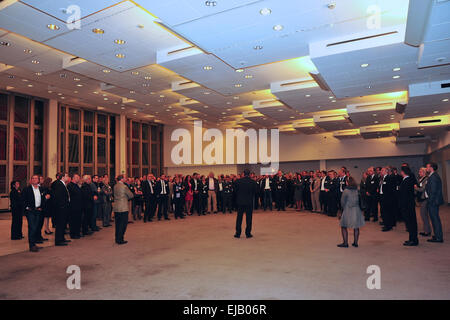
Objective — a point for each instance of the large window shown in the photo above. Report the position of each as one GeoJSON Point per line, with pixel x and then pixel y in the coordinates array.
{"type": "Point", "coordinates": [86, 143]}
{"type": "Point", "coordinates": [22, 145]}
{"type": "Point", "coordinates": [144, 148]}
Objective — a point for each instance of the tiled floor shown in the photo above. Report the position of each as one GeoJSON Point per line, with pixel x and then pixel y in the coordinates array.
{"type": "Point", "coordinates": [292, 256]}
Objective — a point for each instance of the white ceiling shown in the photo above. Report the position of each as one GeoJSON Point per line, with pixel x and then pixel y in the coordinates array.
{"type": "Point", "coordinates": [186, 60]}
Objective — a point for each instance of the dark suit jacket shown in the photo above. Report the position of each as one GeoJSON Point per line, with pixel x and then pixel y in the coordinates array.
{"type": "Point", "coordinates": [146, 190]}
{"type": "Point", "coordinates": [158, 187]}
{"type": "Point", "coordinates": [280, 184]}
{"type": "Point", "coordinates": [76, 197]}
{"type": "Point", "coordinates": [61, 196]}
{"type": "Point", "coordinates": [434, 190]}
{"type": "Point", "coordinates": [372, 185]}
{"type": "Point", "coordinates": [262, 184]}
{"type": "Point", "coordinates": [216, 184]}
{"type": "Point", "coordinates": [389, 186]}
{"type": "Point", "coordinates": [406, 194]}
{"type": "Point", "coordinates": [28, 198]}
{"type": "Point", "coordinates": [16, 199]}
{"type": "Point", "coordinates": [245, 191]}
{"type": "Point", "coordinates": [87, 196]}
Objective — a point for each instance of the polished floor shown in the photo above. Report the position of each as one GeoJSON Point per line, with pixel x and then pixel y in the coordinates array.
{"type": "Point", "coordinates": [292, 256]}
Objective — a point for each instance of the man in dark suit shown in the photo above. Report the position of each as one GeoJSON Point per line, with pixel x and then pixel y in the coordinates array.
{"type": "Point", "coordinates": [433, 192]}
{"type": "Point", "coordinates": [323, 198]}
{"type": "Point", "coordinates": [61, 203]}
{"type": "Point", "coordinates": [196, 191]}
{"type": "Point", "coordinates": [372, 185]}
{"type": "Point", "coordinates": [149, 192]}
{"type": "Point", "coordinates": [33, 198]}
{"type": "Point", "coordinates": [266, 191]}
{"type": "Point", "coordinates": [245, 193]}
{"type": "Point", "coordinates": [342, 184]}
{"type": "Point", "coordinates": [162, 193]}
{"type": "Point", "coordinates": [88, 203]}
{"type": "Point", "coordinates": [280, 191]}
{"type": "Point", "coordinates": [387, 199]}
{"type": "Point", "coordinates": [408, 206]}
{"type": "Point", "coordinates": [332, 187]}
{"type": "Point", "coordinates": [75, 207]}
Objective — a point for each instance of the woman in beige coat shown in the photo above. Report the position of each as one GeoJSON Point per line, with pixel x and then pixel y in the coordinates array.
{"type": "Point", "coordinates": [315, 192]}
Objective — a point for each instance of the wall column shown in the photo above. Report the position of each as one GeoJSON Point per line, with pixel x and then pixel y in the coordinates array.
{"type": "Point", "coordinates": [121, 144]}
{"type": "Point", "coordinates": [51, 138]}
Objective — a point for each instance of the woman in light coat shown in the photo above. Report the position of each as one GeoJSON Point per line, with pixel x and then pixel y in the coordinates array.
{"type": "Point", "coordinates": [422, 201]}
{"type": "Point", "coordinates": [352, 216]}
{"type": "Point", "coordinates": [121, 196]}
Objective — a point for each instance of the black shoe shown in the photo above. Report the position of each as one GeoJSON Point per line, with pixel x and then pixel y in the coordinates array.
{"type": "Point", "coordinates": [355, 245]}
{"type": "Point", "coordinates": [166, 218]}
{"type": "Point", "coordinates": [34, 249]}
{"type": "Point", "coordinates": [48, 233]}
{"type": "Point", "coordinates": [130, 222]}
{"type": "Point", "coordinates": [343, 245]}
{"type": "Point", "coordinates": [16, 238]}
{"type": "Point", "coordinates": [87, 233]}
{"type": "Point", "coordinates": [237, 236]}
{"type": "Point", "coordinates": [108, 225]}
{"type": "Point", "coordinates": [411, 244]}
{"type": "Point", "coordinates": [435, 240]}
{"type": "Point", "coordinates": [60, 244]}
{"type": "Point", "coordinates": [122, 242]}
{"type": "Point", "coordinates": [424, 234]}
{"type": "Point", "coordinates": [67, 240]}
{"type": "Point", "coordinates": [386, 229]}
{"type": "Point", "coordinates": [74, 237]}
{"type": "Point", "coordinates": [249, 236]}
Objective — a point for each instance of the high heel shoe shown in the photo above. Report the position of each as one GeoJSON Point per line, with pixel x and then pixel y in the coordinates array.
{"type": "Point", "coordinates": [343, 245]}
{"type": "Point", "coordinates": [48, 233]}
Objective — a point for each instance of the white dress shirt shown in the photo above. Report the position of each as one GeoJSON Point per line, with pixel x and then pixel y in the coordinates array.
{"type": "Point", "coordinates": [37, 196]}
{"type": "Point", "coordinates": [211, 184]}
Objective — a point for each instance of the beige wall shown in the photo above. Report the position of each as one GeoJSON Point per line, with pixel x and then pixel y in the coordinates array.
{"type": "Point", "coordinates": [300, 147]}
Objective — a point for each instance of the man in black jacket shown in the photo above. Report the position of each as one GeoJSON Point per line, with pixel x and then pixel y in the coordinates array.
{"type": "Point", "coordinates": [61, 203]}
{"type": "Point", "coordinates": [162, 194]}
{"type": "Point", "coordinates": [245, 193]}
{"type": "Point", "coordinates": [280, 191]}
{"type": "Point", "coordinates": [88, 203]}
{"type": "Point", "coordinates": [33, 198]}
{"type": "Point", "coordinates": [372, 185]}
{"type": "Point", "coordinates": [75, 207]}
{"type": "Point", "coordinates": [433, 193]}
{"type": "Point", "coordinates": [387, 199]}
{"type": "Point", "coordinates": [408, 206]}
{"type": "Point", "coordinates": [148, 190]}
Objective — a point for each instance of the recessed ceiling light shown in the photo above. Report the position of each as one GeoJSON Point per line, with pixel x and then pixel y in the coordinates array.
{"type": "Point", "coordinates": [147, 78]}
{"type": "Point", "coordinates": [396, 69]}
{"type": "Point", "coordinates": [120, 55]}
{"type": "Point", "coordinates": [52, 27]}
{"type": "Point", "coordinates": [374, 114]}
{"type": "Point", "coordinates": [206, 107]}
{"type": "Point", "coordinates": [132, 91]}
{"type": "Point", "coordinates": [76, 79]}
{"type": "Point", "coordinates": [330, 97]}
{"type": "Point", "coordinates": [25, 80]}
{"type": "Point", "coordinates": [30, 85]}
{"type": "Point", "coordinates": [375, 122]}
{"type": "Point", "coordinates": [224, 113]}
{"type": "Point", "coordinates": [11, 77]}
{"type": "Point", "coordinates": [206, 92]}
{"type": "Point", "coordinates": [38, 73]}
{"type": "Point", "coordinates": [134, 73]}
{"type": "Point", "coordinates": [364, 65]}
{"type": "Point", "coordinates": [95, 92]}
{"type": "Point", "coordinates": [207, 68]}
{"type": "Point", "coordinates": [105, 99]}
{"type": "Point", "coordinates": [395, 77]}
{"type": "Point", "coordinates": [278, 27]}
{"type": "Point", "coordinates": [210, 3]}
{"type": "Point", "coordinates": [162, 96]}
{"type": "Point", "coordinates": [146, 84]}
{"type": "Point", "coordinates": [307, 95]}
{"type": "Point", "coordinates": [4, 43]}
{"type": "Point", "coordinates": [280, 110]}
{"type": "Point", "coordinates": [258, 47]}
{"type": "Point", "coordinates": [106, 71]}
{"type": "Point", "coordinates": [98, 31]}
{"type": "Point", "coordinates": [436, 111]}
{"type": "Point", "coordinates": [248, 76]}
{"type": "Point", "coordinates": [236, 98]}
{"type": "Point", "coordinates": [63, 98]}
{"type": "Point", "coordinates": [333, 100]}
{"type": "Point", "coordinates": [27, 50]}
{"type": "Point", "coordinates": [123, 108]}
{"type": "Point", "coordinates": [445, 100]}
{"type": "Point", "coordinates": [34, 61]}
{"type": "Point", "coordinates": [265, 11]}
{"type": "Point", "coordinates": [79, 85]}
{"type": "Point", "coordinates": [238, 85]}
{"type": "Point", "coordinates": [75, 91]}
{"type": "Point", "coordinates": [119, 41]}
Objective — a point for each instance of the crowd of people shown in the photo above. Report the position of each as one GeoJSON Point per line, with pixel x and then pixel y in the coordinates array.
{"type": "Point", "coordinates": [75, 204]}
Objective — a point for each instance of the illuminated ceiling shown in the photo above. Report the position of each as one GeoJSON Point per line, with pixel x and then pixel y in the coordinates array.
{"type": "Point", "coordinates": [357, 68]}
